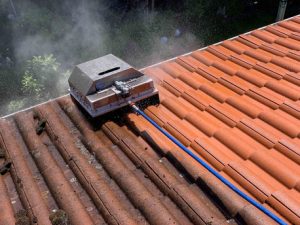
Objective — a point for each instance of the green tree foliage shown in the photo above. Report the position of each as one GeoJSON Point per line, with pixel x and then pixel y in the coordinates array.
{"type": "Point", "coordinates": [5, 28]}
{"type": "Point", "coordinates": [210, 19]}
{"type": "Point", "coordinates": [41, 76]}
{"type": "Point", "coordinates": [16, 105]}
{"type": "Point", "coordinates": [9, 86]}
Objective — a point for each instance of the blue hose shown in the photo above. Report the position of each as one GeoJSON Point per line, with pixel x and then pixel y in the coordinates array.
{"type": "Point", "coordinates": [210, 169]}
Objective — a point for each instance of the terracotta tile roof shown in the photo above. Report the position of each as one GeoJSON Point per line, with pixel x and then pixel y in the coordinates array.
{"type": "Point", "coordinates": [236, 104]}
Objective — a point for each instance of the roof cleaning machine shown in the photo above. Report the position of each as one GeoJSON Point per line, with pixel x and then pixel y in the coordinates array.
{"type": "Point", "coordinates": [108, 83]}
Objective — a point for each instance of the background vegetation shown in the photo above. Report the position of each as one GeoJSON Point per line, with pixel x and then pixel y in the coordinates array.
{"type": "Point", "coordinates": [41, 40]}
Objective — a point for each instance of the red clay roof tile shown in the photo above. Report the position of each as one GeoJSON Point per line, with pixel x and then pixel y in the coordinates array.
{"type": "Point", "coordinates": [252, 39]}
{"type": "Point", "coordinates": [279, 30]}
{"type": "Point", "coordinates": [290, 25]}
{"type": "Point", "coordinates": [264, 35]}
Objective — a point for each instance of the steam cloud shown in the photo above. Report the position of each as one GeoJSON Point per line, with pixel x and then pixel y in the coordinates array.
{"type": "Point", "coordinates": [86, 33]}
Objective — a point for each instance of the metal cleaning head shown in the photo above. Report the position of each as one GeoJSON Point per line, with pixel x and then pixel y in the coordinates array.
{"type": "Point", "coordinates": [107, 83]}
